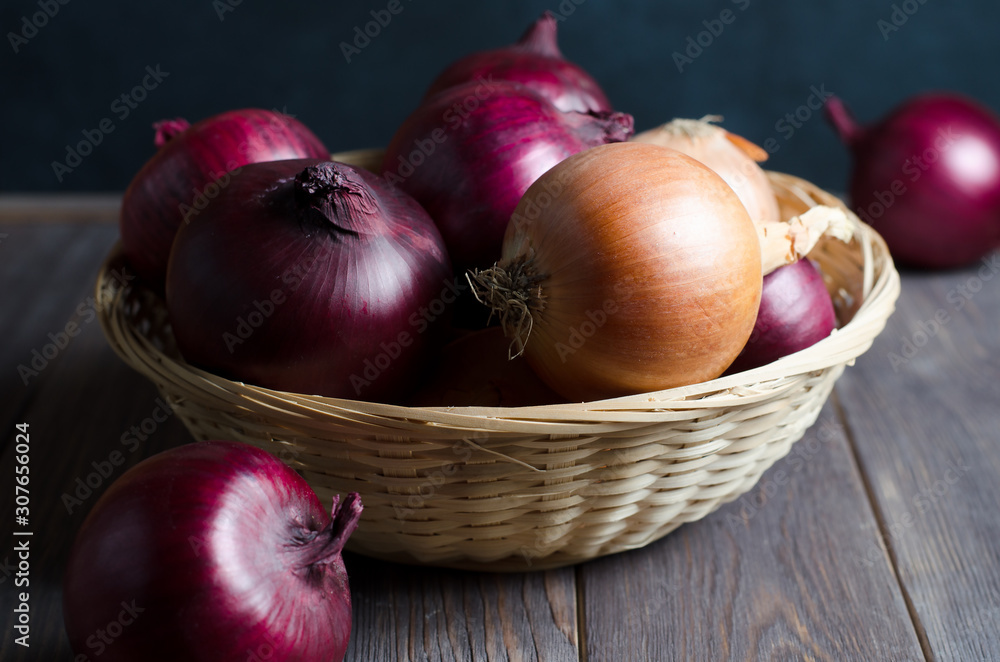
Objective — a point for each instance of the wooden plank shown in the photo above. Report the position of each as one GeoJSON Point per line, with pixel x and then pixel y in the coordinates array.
{"type": "Point", "coordinates": [47, 276]}
{"type": "Point", "coordinates": [407, 613]}
{"type": "Point", "coordinates": [79, 407]}
{"type": "Point", "coordinates": [922, 405]}
{"type": "Point", "coordinates": [60, 207]}
{"type": "Point", "coordinates": [772, 576]}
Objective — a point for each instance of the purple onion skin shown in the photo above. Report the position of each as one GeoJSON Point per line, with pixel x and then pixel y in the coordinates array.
{"type": "Point", "coordinates": [175, 182]}
{"type": "Point", "coordinates": [795, 312]}
{"type": "Point", "coordinates": [214, 551]}
{"type": "Point", "coordinates": [468, 155]}
{"type": "Point", "coordinates": [536, 62]}
{"type": "Point", "coordinates": [349, 263]}
{"type": "Point", "coordinates": [927, 178]}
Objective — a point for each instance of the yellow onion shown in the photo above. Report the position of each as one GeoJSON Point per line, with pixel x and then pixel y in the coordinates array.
{"type": "Point", "coordinates": [626, 268]}
{"type": "Point", "coordinates": [732, 157]}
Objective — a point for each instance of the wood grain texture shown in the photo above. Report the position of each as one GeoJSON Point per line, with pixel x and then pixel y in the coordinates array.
{"type": "Point", "coordinates": [81, 409]}
{"type": "Point", "coordinates": [771, 576]}
{"type": "Point", "coordinates": [46, 275]}
{"type": "Point", "coordinates": [60, 208]}
{"type": "Point", "coordinates": [922, 406]}
{"type": "Point", "coordinates": [415, 614]}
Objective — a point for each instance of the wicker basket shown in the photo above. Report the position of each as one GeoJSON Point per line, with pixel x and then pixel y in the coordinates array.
{"type": "Point", "coordinates": [528, 487]}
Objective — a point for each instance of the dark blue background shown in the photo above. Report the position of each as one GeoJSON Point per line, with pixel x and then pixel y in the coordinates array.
{"type": "Point", "coordinates": [761, 67]}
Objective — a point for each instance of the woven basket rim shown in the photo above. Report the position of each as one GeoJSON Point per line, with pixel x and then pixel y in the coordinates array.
{"type": "Point", "coordinates": [879, 292]}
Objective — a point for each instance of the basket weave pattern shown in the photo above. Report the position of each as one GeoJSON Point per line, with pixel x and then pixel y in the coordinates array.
{"type": "Point", "coordinates": [528, 487]}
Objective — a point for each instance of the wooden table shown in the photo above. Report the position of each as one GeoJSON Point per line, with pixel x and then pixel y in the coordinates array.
{"type": "Point", "coordinates": [876, 538]}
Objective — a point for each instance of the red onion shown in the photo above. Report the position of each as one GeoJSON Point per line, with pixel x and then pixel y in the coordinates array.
{"type": "Point", "coordinates": [927, 178]}
{"type": "Point", "coordinates": [795, 312]}
{"type": "Point", "coordinates": [309, 276]}
{"type": "Point", "coordinates": [469, 154]}
{"type": "Point", "coordinates": [535, 62]}
{"type": "Point", "coordinates": [180, 179]}
{"type": "Point", "coordinates": [214, 551]}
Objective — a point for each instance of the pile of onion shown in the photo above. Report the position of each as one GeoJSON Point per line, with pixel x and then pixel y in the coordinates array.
{"type": "Point", "coordinates": [190, 168]}
{"type": "Point", "coordinates": [469, 153]}
{"type": "Point", "coordinates": [535, 62]}
{"type": "Point", "coordinates": [310, 276]}
{"type": "Point", "coordinates": [215, 551]}
{"type": "Point", "coordinates": [643, 273]}
{"type": "Point", "coordinates": [732, 157]}
{"type": "Point", "coordinates": [927, 178]}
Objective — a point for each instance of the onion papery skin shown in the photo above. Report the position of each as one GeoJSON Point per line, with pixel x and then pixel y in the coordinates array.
{"type": "Point", "coordinates": [214, 551]}
{"type": "Point", "coordinates": [536, 62]}
{"type": "Point", "coordinates": [927, 178]}
{"type": "Point", "coordinates": [732, 157]}
{"type": "Point", "coordinates": [796, 312]}
{"type": "Point", "coordinates": [468, 155]}
{"type": "Point", "coordinates": [648, 267]}
{"type": "Point", "coordinates": [177, 182]}
{"type": "Point", "coordinates": [348, 294]}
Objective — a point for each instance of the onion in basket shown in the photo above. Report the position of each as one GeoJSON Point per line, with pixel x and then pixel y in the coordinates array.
{"type": "Point", "coordinates": [189, 169]}
{"type": "Point", "coordinates": [309, 276]}
{"type": "Point", "coordinates": [795, 312]}
{"type": "Point", "coordinates": [732, 157]}
{"type": "Point", "coordinates": [627, 268]}
{"type": "Point", "coordinates": [632, 267]}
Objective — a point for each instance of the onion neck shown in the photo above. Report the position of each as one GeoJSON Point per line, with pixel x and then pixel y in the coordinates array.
{"type": "Point", "coordinates": [333, 198]}
{"type": "Point", "coordinates": [166, 130]}
{"type": "Point", "coordinates": [843, 121]}
{"type": "Point", "coordinates": [514, 294]}
{"type": "Point", "coordinates": [541, 37]}
{"type": "Point", "coordinates": [326, 546]}
{"type": "Point", "coordinates": [601, 127]}
{"type": "Point", "coordinates": [786, 242]}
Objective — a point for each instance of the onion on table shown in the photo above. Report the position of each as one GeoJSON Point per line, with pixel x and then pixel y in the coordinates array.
{"type": "Point", "coordinates": [308, 276]}
{"type": "Point", "coordinates": [213, 551]}
{"type": "Point", "coordinates": [927, 178]}
{"type": "Point", "coordinates": [189, 169]}
{"type": "Point", "coordinates": [536, 62]}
